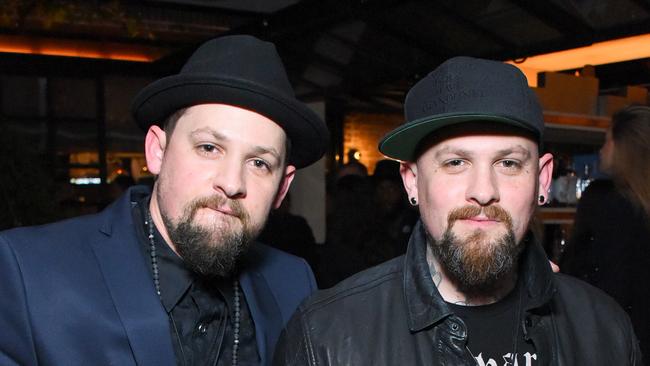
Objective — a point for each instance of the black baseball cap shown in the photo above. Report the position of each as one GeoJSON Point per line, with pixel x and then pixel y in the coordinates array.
{"type": "Point", "coordinates": [464, 89]}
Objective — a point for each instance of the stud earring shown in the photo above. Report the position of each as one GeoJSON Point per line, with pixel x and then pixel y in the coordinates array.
{"type": "Point", "coordinates": [414, 202]}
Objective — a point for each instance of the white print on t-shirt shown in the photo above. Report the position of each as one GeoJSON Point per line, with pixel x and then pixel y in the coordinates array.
{"type": "Point", "coordinates": [507, 360]}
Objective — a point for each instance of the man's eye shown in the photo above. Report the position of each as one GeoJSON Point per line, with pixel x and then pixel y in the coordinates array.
{"type": "Point", "coordinates": [455, 163]}
{"type": "Point", "coordinates": [510, 164]}
{"type": "Point", "coordinates": [207, 148]}
{"type": "Point", "coordinates": [261, 164]}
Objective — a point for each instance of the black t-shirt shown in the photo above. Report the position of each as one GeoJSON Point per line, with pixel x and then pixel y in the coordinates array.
{"type": "Point", "coordinates": [494, 332]}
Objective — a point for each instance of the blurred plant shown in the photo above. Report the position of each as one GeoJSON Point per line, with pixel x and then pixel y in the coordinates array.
{"type": "Point", "coordinates": [51, 14]}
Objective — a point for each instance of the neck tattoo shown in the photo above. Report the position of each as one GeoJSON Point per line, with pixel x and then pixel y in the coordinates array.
{"type": "Point", "coordinates": [156, 281]}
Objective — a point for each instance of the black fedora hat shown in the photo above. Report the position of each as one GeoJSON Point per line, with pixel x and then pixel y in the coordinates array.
{"type": "Point", "coordinates": [242, 71]}
{"type": "Point", "coordinates": [464, 89]}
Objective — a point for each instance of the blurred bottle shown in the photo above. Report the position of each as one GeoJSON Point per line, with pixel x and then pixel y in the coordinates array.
{"type": "Point", "coordinates": [563, 187]}
{"type": "Point", "coordinates": [583, 182]}
{"type": "Point", "coordinates": [572, 185]}
{"type": "Point", "coordinates": [559, 243]}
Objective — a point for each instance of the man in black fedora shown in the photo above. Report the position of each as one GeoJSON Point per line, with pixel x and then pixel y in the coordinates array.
{"type": "Point", "coordinates": [174, 276]}
{"type": "Point", "coordinates": [474, 287]}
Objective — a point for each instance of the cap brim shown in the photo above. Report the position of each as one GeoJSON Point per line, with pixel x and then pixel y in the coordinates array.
{"type": "Point", "coordinates": [304, 128]}
{"type": "Point", "coordinates": [402, 142]}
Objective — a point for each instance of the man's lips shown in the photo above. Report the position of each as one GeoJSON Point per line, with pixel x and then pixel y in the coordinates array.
{"type": "Point", "coordinates": [478, 220]}
{"type": "Point", "coordinates": [224, 210]}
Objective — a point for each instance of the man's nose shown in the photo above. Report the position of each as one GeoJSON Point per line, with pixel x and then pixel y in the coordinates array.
{"type": "Point", "coordinates": [230, 178]}
{"type": "Point", "coordinates": [483, 188]}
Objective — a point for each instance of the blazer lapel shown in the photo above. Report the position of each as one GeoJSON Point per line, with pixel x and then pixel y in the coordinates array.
{"type": "Point", "coordinates": [264, 310]}
{"type": "Point", "coordinates": [129, 282]}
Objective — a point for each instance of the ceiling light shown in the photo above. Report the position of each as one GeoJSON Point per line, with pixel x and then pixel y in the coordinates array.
{"type": "Point", "coordinates": [80, 48]}
{"type": "Point", "coordinates": [599, 53]}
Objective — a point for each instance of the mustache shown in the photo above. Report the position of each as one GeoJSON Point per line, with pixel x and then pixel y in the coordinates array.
{"type": "Point", "coordinates": [217, 201]}
{"type": "Point", "coordinates": [492, 212]}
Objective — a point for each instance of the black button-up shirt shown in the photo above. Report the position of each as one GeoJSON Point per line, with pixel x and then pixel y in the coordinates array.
{"type": "Point", "coordinates": [201, 311]}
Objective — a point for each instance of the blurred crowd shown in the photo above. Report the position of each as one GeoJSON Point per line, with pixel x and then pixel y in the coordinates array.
{"type": "Point", "coordinates": [369, 222]}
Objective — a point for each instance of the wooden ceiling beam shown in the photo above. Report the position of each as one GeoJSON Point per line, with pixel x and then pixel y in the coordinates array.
{"type": "Point", "coordinates": [557, 17]}
{"type": "Point", "coordinates": [474, 27]}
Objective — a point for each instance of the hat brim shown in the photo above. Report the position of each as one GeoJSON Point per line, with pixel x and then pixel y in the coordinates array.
{"type": "Point", "coordinates": [402, 142]}
{"type": "Point", "coordinates": [303, 127]}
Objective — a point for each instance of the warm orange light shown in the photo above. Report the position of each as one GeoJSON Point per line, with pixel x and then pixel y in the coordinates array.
{"type": "Point", "coordinates": [80, 48]}
{"type": "Point", "coordinates": [618, 50]}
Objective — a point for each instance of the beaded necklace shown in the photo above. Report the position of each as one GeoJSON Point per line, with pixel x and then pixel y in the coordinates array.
{"type": "Point", "coordinates": [156, 282]}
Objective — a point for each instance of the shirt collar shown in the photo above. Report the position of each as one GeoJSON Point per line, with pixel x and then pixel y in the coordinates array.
{"type": "Point", "coordinates": [175, 278]}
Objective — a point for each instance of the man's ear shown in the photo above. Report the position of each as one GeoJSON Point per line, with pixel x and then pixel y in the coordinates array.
{"type": "Point", "coordinates": [545, 175]}
{"type": "Point", "coordinates": [285, 183]}
{"type": "Point", "coordinates": [409, 173]}
{"type": "Point", "coordinates": [154, 148]}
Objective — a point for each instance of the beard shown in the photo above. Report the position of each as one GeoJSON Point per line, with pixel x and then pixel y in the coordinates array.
{"type": "Point", "coordinates": [215, 250]}
{"type": "Point", "coordinates": [477, 263]}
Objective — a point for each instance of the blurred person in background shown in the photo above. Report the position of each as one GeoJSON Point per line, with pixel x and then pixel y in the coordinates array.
{"type": "Point", "coordinates": [349, 221]}
{"type": "Point", "coordinates": [290, 233]}
{"type": "Point", "coordinates": [610, 242]}
{"type": "Point", "coordinates": [395, 217]}
{"type": "Point", "coordinates": [370, 222]}
{"type": "Point", "coordinates": [353, 166]}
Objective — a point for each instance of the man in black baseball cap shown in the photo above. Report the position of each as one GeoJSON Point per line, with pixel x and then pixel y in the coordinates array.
{"type": "Point", "coordinates": [474, 287]}
{"type": "Point", "coordinates": [174, 276]}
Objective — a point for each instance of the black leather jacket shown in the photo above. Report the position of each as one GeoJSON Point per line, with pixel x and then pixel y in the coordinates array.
{"type": "Point", "coordinates": [393, 314]}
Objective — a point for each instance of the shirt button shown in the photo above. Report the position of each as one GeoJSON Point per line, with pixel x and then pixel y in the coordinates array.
{"type": "Point", "coordinates": [202, 328]}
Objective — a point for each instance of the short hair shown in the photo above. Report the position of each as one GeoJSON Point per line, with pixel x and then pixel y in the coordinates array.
{"type": "Point", "coordinates": [170, 123]}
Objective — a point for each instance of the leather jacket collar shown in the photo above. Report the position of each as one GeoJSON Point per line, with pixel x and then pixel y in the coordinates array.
{"type": "Point", "coordinates": [426, 306]}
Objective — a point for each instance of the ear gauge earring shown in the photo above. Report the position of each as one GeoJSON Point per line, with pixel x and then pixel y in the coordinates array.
{"type": "Point", "coordinates": [414, 201]}
{"type": "Point", "coordinates": [542, 199]}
